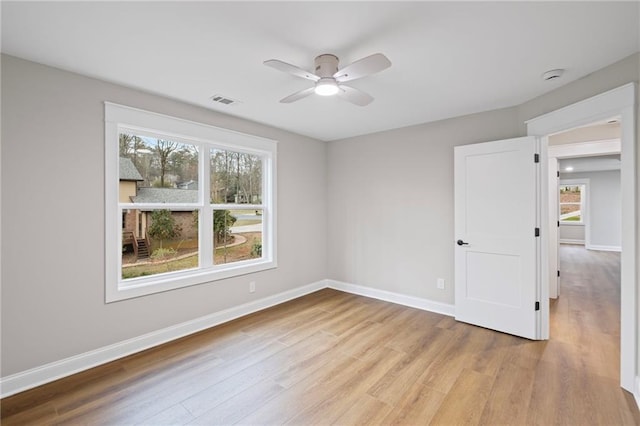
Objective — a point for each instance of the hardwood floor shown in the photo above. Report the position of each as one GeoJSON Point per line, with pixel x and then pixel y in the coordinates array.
{"type": "Point", "coordinates": [336, 358]}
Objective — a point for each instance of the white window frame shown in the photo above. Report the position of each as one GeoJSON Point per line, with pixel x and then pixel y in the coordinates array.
{"type": "Point", "coordinates": [120, 118]}
{"type": "Point", "coordinates": [584, 197]}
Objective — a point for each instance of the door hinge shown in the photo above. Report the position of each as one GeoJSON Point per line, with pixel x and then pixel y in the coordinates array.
{"type": "Point", "coordinates": [537, 232]}
{"type": "Point", "coordinates": [558, 224]}
{"type": "Point", "coordinates": [536, 158]}
{"type": "Point", "coordinates": [558, 173]}
{"type": "Point", "coordinates": [537, 306]}
{"type": "Point", "coordinates": [558, 272]}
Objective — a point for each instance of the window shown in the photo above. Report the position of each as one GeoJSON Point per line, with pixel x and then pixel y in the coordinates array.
{"type": "Point", "coordinates": [572, 203]}
{"type": "Point", "coordinates": [186, 203]}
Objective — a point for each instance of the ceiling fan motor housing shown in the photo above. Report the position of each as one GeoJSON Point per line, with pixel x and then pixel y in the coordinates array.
{"type": "Point", "coordinates": [326, 65]}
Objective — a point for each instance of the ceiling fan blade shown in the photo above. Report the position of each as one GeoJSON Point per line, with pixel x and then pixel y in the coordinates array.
{"type": "Point", "coordinates": [298, 95]}
{"type": "Point", "coordinates": [355, 96]}
{"type": "Point", "coordinates": [291, 69]}
{"type": "Point", "coordinates": [363, 67]}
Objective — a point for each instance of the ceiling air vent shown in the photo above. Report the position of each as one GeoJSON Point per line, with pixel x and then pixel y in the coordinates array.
{"type": "Point", "coordinates": [224, 100]}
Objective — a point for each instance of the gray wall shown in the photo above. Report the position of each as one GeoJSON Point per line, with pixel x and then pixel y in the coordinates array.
{"type": "Point", "coordinates": [604, 213]}
{"type": "Point", "coordinates": [571, 234]}
{"type": "Point", "coordinates": [391, 203]}
{"type": "Point", "coordinates": [598, 132]}
{"type": "Point", "coordinates": [53, 219]}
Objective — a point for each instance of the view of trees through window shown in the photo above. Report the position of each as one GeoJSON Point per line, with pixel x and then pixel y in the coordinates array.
{"type": "Point", "coordinates": [158, 240]}
{"type": "Point", "coordinates": [236, 177]}
{"type": "Point", "coordinates": [161, 163]}
{"type": "Point", "coordinates": [571, 203]}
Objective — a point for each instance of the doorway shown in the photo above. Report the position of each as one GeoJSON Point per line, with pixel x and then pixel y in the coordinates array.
{"type": "Point", "coordinates": [617, 102]}
{"type": "Point", "coordinates": [585, 312]}
{"type": "Point", "coordinates": [584, 191]}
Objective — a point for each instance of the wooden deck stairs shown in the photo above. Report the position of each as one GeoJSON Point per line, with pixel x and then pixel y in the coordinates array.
{"type": "Point", "coordinates": [140, 245]}
{"type": "Point", "coordinates": [143, 248]}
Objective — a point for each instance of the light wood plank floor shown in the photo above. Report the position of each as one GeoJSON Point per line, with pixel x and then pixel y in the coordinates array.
{"type": "Point", "coordinates": [336, 358]}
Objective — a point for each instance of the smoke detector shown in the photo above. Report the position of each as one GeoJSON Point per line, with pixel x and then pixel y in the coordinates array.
{"type": "Point", "coordinates": [552, 74]}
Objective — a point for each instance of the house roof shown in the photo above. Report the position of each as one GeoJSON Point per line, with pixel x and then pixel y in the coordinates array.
{"type": "Point", "coordinates": [165, 195]}
{"type": "Point", "coordinates": [128, 170]}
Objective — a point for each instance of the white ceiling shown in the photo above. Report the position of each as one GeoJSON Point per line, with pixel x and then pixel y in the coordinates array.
{"type": "Point", "coordinates": [449, 59]}
{"type": "Point", "coordinates": [590, 164]}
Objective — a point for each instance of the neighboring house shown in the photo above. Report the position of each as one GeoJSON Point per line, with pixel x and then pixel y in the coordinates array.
{"type": "Point", "coordinates": [184, 219]}
{"type": "Point", "coordinates": [165, 195]}
{"type": "Point", "coordinates": [128, 189]}
{"type": "Point", "coordinates": [129, 178]}
{"type": "Point", "coordinates": [135, 222]}
{"type": "Point", "coordinates": [191, 184]}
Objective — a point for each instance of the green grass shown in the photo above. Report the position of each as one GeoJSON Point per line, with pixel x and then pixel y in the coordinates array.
{"type": "Point", "coordinates": [177, 245]}
{"type": "Point", "coordinates": [222, 255]}
{"type": "Point", "coordinates": [571, 219]}
{"type": "Point", "coordinates": [160, 268]}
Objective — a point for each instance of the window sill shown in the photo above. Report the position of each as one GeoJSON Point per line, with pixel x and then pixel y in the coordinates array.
{"type": "Point", "coordinates": [572, 223]}
{"type": "Point", "coordinates": [150, 285]}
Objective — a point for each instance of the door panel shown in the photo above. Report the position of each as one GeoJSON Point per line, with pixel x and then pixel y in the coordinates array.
{"type": "Point", "coordinates": [496, 204]}
{"type": "Point", "coordinates": [493, 269]}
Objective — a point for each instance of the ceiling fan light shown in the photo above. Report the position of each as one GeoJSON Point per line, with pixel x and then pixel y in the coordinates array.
{"type": "Point", "coordinates": [326, 87]}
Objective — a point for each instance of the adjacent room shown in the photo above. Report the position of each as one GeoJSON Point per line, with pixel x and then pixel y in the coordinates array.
{"type": "Point", "coordinates": [319, 212]}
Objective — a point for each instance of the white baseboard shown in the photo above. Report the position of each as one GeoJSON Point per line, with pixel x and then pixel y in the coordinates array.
{"type": "Point", "coordinates": [401, 299]}
{"type": "Point", "coordinates": [604, 248]}
{"type": "Point", "coordinates": [49, 372]}
{"type": "Point", "coordinates": [37, 376]}
{"type": "Point", "coordinates": [570, 241]}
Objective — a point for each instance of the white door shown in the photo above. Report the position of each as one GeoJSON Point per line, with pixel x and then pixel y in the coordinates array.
{"type": "Point", "coordinates": [496, 222]}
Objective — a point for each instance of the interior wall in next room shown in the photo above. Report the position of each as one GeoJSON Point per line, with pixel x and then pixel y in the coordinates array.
{"type": "Point", "coordinates": [605, 209]}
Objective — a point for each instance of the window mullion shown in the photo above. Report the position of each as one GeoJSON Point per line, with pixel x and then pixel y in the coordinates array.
{"type": "Point", "coordinates": [206, 219]}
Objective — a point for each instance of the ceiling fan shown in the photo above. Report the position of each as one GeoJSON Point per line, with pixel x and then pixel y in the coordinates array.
{"type": "Point", "coordinates": [329, 79]}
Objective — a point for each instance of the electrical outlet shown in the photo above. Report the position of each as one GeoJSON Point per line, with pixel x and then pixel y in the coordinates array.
{"type": "Point", "coordinates": [252, 287]}
{"type": "Point", "coordinates": [440, 283]}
